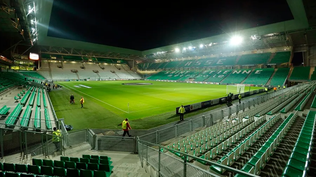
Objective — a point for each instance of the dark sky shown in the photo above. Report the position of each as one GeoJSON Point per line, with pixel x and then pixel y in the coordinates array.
{"type": "Point", "coordinates": [150, 24]}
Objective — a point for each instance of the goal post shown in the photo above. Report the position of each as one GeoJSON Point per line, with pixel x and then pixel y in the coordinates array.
{"type": "Point", "coordinates": [235, 89]}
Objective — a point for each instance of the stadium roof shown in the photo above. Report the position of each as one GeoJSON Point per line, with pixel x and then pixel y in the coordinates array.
{"type": "Point", "coordinates": [53, 45]}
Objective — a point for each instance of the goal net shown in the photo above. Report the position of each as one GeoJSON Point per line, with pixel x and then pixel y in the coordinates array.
{"type": "Point", "coordinates": [235, 89]}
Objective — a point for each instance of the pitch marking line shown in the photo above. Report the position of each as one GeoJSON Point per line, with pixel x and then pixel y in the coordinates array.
{"type": "Point", "coordinates": [95, 98]}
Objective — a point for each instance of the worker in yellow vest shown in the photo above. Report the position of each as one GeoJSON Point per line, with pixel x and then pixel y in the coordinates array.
{"type": "Point", "coordinates": [56, 138]}
{"type": "Point", "coordinates": [181, 111]}
{"type": "Point", "coordinates": [126, 127]}
{"type": "Point", "coordinates": [81, 102]}
{"type": "Point", "coordinates": [239, 98]}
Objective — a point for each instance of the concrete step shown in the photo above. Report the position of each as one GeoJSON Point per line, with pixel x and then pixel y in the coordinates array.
{"type": "Point", "coordinates": [128, 169]}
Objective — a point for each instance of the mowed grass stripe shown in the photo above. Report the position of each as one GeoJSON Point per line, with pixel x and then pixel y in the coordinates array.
{"type": "Point", "coordinates": [104, 97]}
{"type": "Point", "coordinates": [94, 98]}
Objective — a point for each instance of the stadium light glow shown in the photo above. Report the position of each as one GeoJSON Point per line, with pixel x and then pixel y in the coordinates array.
{"type": "Point", "coordinates": [177, 50]}
{"type": "Point", "coordinates": [190, 47]}
{"type": "Point", "coordinates": [236, 40]}
{"type": "Point", "coordinates": [201, 46]}
{"type": "Point", "coordinates": [184, 49]}
{"type": "Point", "coordinates": [210, 44]}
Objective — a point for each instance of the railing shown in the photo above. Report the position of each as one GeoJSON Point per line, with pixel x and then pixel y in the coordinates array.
{"type": "Point", "coordinates": [164, 164]}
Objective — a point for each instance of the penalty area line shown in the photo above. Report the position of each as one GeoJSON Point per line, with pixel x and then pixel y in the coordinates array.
{"type": "Point", "coordinates": [94, 98]}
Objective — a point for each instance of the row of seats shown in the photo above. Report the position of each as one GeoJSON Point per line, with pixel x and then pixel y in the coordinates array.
{"type": "Point", "coordinates": [4, 110]}
{"type": "Point", "coordinates": [283, 104]}
{"type": "Point", "coordinates": [279, 77]}
{"type": "Point", "coordinates": [214, 135]}
{"type": "Point", "coordinates": [234, 154]}
{"type": "Point", "coordinates": [298, 163]}
{"type": "Point", "coordinates": [300, 73]}
{"type": "Point", "coordinates": [22, 170]}
{"type": "Point", "coordinates": [301, 105]}
{"type": "Point", "coordinates": [259, 76]}
{"type": "Point", "coordinates": [248, 59]}
{"type": "Point", "coordinates": [292, 103]}
{"type": "Point", "coordinates": [241, 134]}
{"type": "Point", "coordinates": [258, 161]}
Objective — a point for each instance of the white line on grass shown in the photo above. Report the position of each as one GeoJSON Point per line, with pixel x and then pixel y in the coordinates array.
{"type": "Point", "coordinates": [95, 98]}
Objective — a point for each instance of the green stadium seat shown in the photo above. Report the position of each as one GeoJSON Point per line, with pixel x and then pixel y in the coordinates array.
{"type": "Point", "coordinates": [64, 159]}
{"type": "Point", "coordinates": [106, 167]}
{"type": "Point", "coordinates": [73, 172]}
{"type": "Point", "coordinates": [86, 156]}
{"type": "Point", "coordinates": [74, 159]}
{"type": "Point", "coordinates": [93, 166]}
{"type": "Point", "coordinates": [27, 175]}
{"type": "Point", "coordinates": [94, 161]}
{"type": "Point", "coordinates": [60, 171]}
{"type": "Point", "coordinates": [38, 162]}
{"type": "Point", "coordinates": [47, 170]}
{"type": "Point", "coordinates": [58, 163]}
{"type": "Point", "coordinates": [21, 168]}
{"type": "Point", "coordinates": [84, 160]}
{"type": "Point", "coordinates": [12, 174]}
{"type": "Point", "coordinates": [105, 158]}
{"type": "Point", "coordinates": [292, 172]}
{"type": "Point", "coordinates": [9, 167]}
{"type": "Point", "coordinates": [1, 166]}
{"type": "Point", "coordinates": [4, 110]}
{"type": "Point", "coordinates": [101, 174]}
{"type": "Point", "coordinates": [34, 169]}
{"type": "Point", "coordinates": [105, 162]}
{"type": "Point", "coordinates": [70, 164]}
{"type": "Point", "coordinates": [86, 173]}
{"type": "Point", "coordinates": [49, 163]}
{"type": "Point", "coordinates": [2, 173]}
{"type": "Point", "coordinates": [81, 165]}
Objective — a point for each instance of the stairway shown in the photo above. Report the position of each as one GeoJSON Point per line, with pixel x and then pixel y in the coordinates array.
{"type": "Point", "coordinates": [275, 70]}
{"type": "Point", "coordinates": [271, 57]}
{"type": "Point", "coordinates": [247, 76]}
{"type": "Point", "coordinates": [77, 75]}
{"type": "Point", "coordinates": [276, 165]}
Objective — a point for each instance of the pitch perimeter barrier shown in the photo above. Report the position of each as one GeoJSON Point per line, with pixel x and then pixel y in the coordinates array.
{"type": "Point", "coordinates": [164, 164]}
{"type": "Point", "coordinates": [209, 103]}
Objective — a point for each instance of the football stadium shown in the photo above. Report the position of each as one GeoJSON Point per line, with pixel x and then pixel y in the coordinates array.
{"type": "Point", "coordinates": [240, 103]}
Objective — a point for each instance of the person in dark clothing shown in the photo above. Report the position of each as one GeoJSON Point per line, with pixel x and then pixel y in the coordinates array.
{"type": "Point", "coordinates": [72, 99]}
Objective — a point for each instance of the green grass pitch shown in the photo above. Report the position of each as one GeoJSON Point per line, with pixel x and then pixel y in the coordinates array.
{"type": "Point", "coordinates": [107, 103]}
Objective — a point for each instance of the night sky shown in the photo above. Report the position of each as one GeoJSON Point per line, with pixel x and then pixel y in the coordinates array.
{"type": "Point", "coordinates": [150, 24]}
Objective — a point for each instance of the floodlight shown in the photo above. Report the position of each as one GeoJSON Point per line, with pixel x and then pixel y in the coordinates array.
{"type": "Point", "coordinates": [236, 40]}
{"type": "Point", "coordinates": [210, 44]}
{"type": "Point", "coordinates": [184, 48]}
{"type": "Point", "coordinates": [190, 47]}
{"type": "Point", "coordinates": [34, 56]}
{"type": "Point", "coordinates": [201, 45]}
{"type": "Point", "coordinates": [177, 50]}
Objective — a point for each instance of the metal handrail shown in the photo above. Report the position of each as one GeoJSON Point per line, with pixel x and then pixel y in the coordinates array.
{"type": "Point", "coordinates": [198, 158]}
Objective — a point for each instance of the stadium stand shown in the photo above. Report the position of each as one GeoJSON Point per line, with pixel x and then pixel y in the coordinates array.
{"type": "Point", "coordinates": [225, 61]}
{"type": "Point", "coordinates": [236, 76]}
{"type": "Point", "coordinates": [218, 76]}
{"type": "Point", "coordinates": [300, 74]}
{"type": "Point", "coordinates": [254, 59]}
{"type": "Point", "coordinates": [189, 75]}
{"type": "Point", "coordinates": [280, 57]}
{"type": "Point", "coordinates": [259, 76]}
{"type": "Point", "coordinates": [279, 77]}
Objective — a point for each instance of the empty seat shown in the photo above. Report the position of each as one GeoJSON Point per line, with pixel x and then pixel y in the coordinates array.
{"type": "Point", "coordinates": [84, 160]}
{"type": "Point", "coordinates": [81, 165]}
{"type": "Point", "coordinates": [48, 170]}
{"type": "Point", "coordinates": [60, 171]}
{"type": "Point", "coordinates": [86, 156]}
{"type": "Point", "coordinates": [12, 174]}
{"type": "Point", "coordinates": [70, 164]}
{"type": "Point", "coordinates": [94, 161]}
{"type": "Point", "coordinates": [1, 166]}
{"type": "Point", "coordinates": [101, 174]}
{"type": "Point", "coordinates": [86, 173]}
{"type": "Point", "coordinates": [93, 166]}
{"type": "Point", "coordinates": [21, 168]}
{"type": "Point", "coordinates": [34, 169]}
{"type": "Point", "coordinates": [47, 162]}
{"type": "Point", "coordinates": [58, 163]}
{"type": "Point", "coordinates": [9, 167]}
{"type": "Point", "coordinates": [65, 159]}
{"type": "Point", "coordinates": [38, 162]}
{"type": "Point", "coordinates": [74, 159]}
{"type": "Point", "coordinates": [73, 172]}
